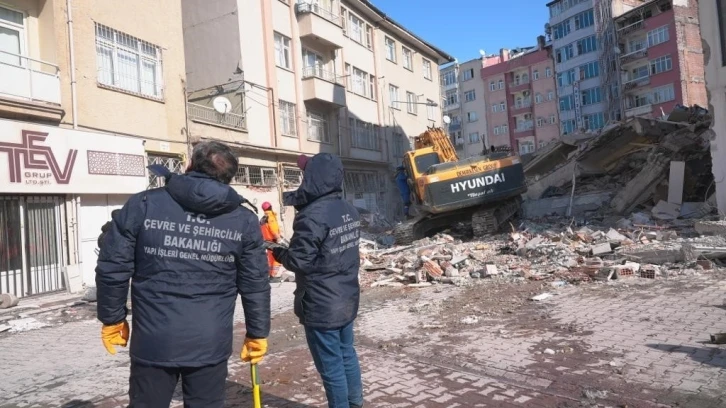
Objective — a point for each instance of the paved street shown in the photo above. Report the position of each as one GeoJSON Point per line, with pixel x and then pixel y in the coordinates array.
{"type": "Point", "coordinates": [634, 343]}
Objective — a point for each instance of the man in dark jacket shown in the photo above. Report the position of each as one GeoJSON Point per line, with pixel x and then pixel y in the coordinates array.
{"type": "Point", "coordinates": [323, 254]}
{"type": "Point", "coordinates": [189, 248]}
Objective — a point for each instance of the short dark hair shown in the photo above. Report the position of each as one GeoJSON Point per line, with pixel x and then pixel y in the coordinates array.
{"type": "Point", "coordinates": [216, 160]}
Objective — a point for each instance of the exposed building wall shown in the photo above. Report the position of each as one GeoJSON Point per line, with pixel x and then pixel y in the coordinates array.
{"type": "Point", "coordinates": [712, 31]}
{"type": "Point", "coordinates": [474, 120]}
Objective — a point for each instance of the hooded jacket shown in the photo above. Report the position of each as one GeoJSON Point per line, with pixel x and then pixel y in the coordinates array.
{"type": "Point", "coordinates": [323, 251]}
{"type": "Point", "coordinates": [189, 248]}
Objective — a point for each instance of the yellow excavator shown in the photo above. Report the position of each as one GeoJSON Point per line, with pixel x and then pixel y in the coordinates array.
{"type": "Point", "coordinates": [484, 191]}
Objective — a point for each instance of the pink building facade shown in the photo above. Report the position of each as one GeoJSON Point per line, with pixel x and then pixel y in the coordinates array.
{"type": "Point", "coordinates": [521, 98]}
{"type": "Point", "coordinates": [658, 63]}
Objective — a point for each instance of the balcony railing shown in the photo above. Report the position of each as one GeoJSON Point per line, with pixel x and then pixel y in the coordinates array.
{"type": "Point", "coordinates": [638, 111]}
{"type": "Point", "coordinates": [634, 83]}
{"type": "Point", "coordinates": [304, 8]}
{"type": "Point", "coordinates": [631, 28]}
{"type": "Point", "coordinates": [526, 103]}
{"type": "Point", "coordinates": [320, 73]}
{"type": "Point", "coordinates": [633, 56]}
{"type": "Point", "coordinates": [524, 126]}
{"type": "Point", "coordinates": [206, 114]}
{"type": "Point", "coordinates": [28, 78]}
{"type": "Point", "coordinates": [518, 83]}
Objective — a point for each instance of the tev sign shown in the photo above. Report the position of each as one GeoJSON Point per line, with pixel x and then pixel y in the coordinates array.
{"type": "Point", "coordinates": [32, 162]}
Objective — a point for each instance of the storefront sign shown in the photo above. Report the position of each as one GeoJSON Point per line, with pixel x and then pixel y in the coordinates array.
{"type": "Point", "coordinates": [46, 159]}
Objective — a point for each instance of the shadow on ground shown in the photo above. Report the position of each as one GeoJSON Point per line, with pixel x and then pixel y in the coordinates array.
{"type": "Point", "coordinates": [712, 356]}
{"type": "Point", "coordinates": [239, 395]}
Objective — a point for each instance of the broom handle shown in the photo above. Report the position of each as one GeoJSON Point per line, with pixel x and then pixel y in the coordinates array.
{"type": "Point", "coordinates": [255, 386]}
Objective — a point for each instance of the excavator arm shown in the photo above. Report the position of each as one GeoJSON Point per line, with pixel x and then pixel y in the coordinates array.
{"type": "Point", "coordinates": [437, 139]}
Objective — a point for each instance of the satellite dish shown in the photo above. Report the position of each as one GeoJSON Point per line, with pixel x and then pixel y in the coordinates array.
{"type": "Point", "coordinates": [482, 53]}
{"type": "Point", "coordinates": [222, 105]}
{"type": "Point", "coordinates": [447, 119]}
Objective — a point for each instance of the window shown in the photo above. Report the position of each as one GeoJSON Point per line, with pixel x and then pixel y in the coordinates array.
{"type": "Point", "coordinates": [348, 77]}
{"type": "Point", "coordinates": [318, 130]}
{"type": "Point", "coordinates": [282, 51]}
{"type": "Point", "coordinates": [640, 100]}
{"type": "Point", "coordinates": [357, 28]}
{"type": "Point", "coordinates": [363, 135]}
{"type": "Point", "coordinates": [468, 74]}
{"type": "Point", "coordinates": [658, 36]}
{"type": "Point", "coordinates": [393, 96]}
{"type": "Point", "coordinates": [550, 95]}
{"type": "Point", "coordinates": [369, 37]}
{"type": "Point", "coordinates": [451, 97]}
{"type": "Point", "coordinates": [255, 176]}
{"type": "Point", "coordinates": [407, 58]}
{"type": "Point", "coordinates": [553, 119]}
{"type": "Point", "coordinates": [525, 146]}
{"type": "Point", "coordinates": [548, 72]}
{"type": "Point", "coordinates": [586, 45]}
{"type": "Point", "coordinates": [344, 20]}
{"type": "Point", "coordinates": [593, 122]}
{"type": "Point", "coordinates": [124, 62]}
{"type": "Point", "coordinates": [535, 75]}
{"type": "Point", "coordinates": [561, 30]}
{"type": "Point", "coordinates": [566, 78]}
{"type": "Point", "coordinates": [412, 107]}
{"type": "Point", "coordinates": [584, 19]}
{"type": "Point", "coordinates": [430, 109]}
{"type": "Point", "coordinates": [372, 87]}
{"type": "Point", "coordinates": [492, 86]}
{"type": "Point", "coordinates": [470, 96]}
{"type": "Point", "coordinates": [638, 73]}
{"type": "Point", "coordinates": [566, 103]}
{"type": "Point", "coordinates": [637, 45]}
{"type": "Point", "coordinates": [313, 65]}
{"type": "Point", "coordinates": [360, 79]}
{"type": "Point", "coordinates": [471, 117]}
{"type": "Point", "coordinates": [502, 107]}
{"type": "Point", "coordinates": [12, 36]}
{"type": "Point", "coordinates": [390, 50]}
{"type": "Point", "coordinates": [589, 70]}
{"type": "Point", "coordinates": [505, 129]}
{"type": "Point", "coordinates": [664, 94]}
{"type": "Point", "coordinates": [497, 130]}
{"type": "Point", "coordinates": [287, 118]}
{"type": "Point", "coordinates": [591, 96]}
{"type": "Point", "coordinates": [538, 98]}
{"type": "Point", "coordinates": [426, 69]}
{"type": "Point", "coordinates": [495, 108]}
{"type": "Point", "coordinates": [399, 144]}
{"type": "Point", "coordinates": [661, 64]}
{"type": "Point", "coordinates": [540, 122]}
{"type": "Point", "coordinates": [565, 53]}
{"type": "Point", "coordinates": [474, 138]}
{"type": "Point", "coordinates": [568, 126]}
{"type": "Point", "coordinates": [449, 78]}
{"type": "Point", "coordinates": [501, 84]}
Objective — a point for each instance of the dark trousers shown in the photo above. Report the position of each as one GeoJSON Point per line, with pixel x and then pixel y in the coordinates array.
{"type": "Point", "coordinates": [337, 362]}
{"type": "Point", "coordinates": [153, 387]}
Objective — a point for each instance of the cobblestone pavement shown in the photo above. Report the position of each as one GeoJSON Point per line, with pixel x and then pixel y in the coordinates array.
{"type": "Point", "coordinates": [635, 343]}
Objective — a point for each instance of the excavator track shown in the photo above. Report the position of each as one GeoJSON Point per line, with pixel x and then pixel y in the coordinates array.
{"type": "Point", "coordinates": [404, 233]}
{"type": "Point", "coordinates": [489, 220]}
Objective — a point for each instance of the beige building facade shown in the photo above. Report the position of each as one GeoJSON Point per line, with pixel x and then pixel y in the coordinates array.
{"type": "Point", "coordinates": [275, 78]}
{"type": "Point", "coordinates": [90, 94]}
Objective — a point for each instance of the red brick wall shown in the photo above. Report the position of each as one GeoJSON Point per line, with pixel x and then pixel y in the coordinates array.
{"type": "Point", "coordinates": [691, 54]}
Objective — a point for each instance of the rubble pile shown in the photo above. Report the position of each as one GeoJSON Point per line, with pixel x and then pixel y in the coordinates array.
{"type": "Point", "coordinates": [627, 167]}
{"type": "Point", "coordinates": [553, 249]}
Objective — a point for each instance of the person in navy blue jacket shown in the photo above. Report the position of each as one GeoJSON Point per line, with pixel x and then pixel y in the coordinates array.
{"type": "Point", "coordinates": [323, 254]}
{"type": "Point", "coordinates": [188, 248]}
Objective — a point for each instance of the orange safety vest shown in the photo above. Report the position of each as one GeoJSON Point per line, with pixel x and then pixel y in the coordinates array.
{"type": "Point", "coordinates": [270, 229]}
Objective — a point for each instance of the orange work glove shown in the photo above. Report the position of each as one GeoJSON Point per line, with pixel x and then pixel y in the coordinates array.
{"type": "Point", "coordinates": [115, 335]}
{"type": "Point", "coordinates": [253, 350]}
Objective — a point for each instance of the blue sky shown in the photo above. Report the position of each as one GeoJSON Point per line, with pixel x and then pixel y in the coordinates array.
{"type": "Point", "coordinates": [463, 27]}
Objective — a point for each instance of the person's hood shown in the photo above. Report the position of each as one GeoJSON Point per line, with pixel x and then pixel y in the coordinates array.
{"type": "Point", "coordinates": [202, 194]}
{"type": "Point", "coordinates": [323, 176]}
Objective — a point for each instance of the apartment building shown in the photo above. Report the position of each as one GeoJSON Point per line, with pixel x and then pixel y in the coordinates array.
{"type": "Point", "coordinates": [520, 102]}
{"type": "Point", "coordinates": [712, 15]}
{"type": "Point", "coordinates": [463, 95]}
{"type": "Point", "coordinates": [88, 96]}
{"type": "Point", "coordinates": [661, 57]}
{"type": "Point", "coordinates": [577, 66]}
{"type": "Point", "coordinates": [273, 78]}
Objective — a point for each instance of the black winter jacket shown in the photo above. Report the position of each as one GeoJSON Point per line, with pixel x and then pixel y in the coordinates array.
{"type": "Point", "coordinates": [189, 248]}
{"type": "Point", "coordinates": [323, 251]}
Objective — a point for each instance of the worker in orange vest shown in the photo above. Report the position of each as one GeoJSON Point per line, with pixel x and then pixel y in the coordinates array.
{"type": "Point", "coordinates": [271, 232]}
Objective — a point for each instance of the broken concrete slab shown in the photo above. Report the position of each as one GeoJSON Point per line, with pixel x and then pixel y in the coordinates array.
{"type": "Point", "coordinates": [676, 181]}
{"type": "Point", "coordinates": [710, 227]}
{"type": "Point", "coordinates": [615, 237]}
{"type": "Point", "coordinates": [666, 211]}
{"type": "Point", "coordinates": [658, 253]}
{"type": "Point", "coordinates": [600, 249]}
{"type": "Point", "coordinates": [581, 204]}
{"type": "Point", "coordinates": [636, 191]}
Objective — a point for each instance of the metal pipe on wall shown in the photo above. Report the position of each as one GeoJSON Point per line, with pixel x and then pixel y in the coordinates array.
{"type": "Point", "coordinates": [72, 61]}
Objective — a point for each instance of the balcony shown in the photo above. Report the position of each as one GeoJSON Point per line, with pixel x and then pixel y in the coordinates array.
{"type": "Point", "coordinates": [454, 126]}
{"type": "Point", "coordinates": [319, 25]}
{"type": "Point", "coordinates": [321, 85]}
{"type": "Point", "coordinates": [644, 110]}
{"type": "Point", "coordinates": [633, 56]}
{"type": "Point", "coordinates": [29, 87]}
{"type": "Point", "coordinates": [450, 106]}
{"type": "Point", "coordinates": [635, 83]}
{"type": "Point", "coordinates": [207, 114]}
{"type": "Point", "coordinates": [521, 106]}
{"type": "Point", "coordinates": [524, 126]}
{"type": "Point", "coordinates": [631, 28]}
{"type": "Point", "coordinates": [518, 86]}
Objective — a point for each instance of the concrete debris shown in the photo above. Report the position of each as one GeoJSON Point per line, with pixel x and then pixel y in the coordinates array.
{"type": "Point", "coordinates": [8, 300]}
{"type": "Point", "coordinates": [543, 296]}
{"type": "Point", "coordinates": [549, 352]}
{"type": "Point", "coordinates": [470, 320]}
